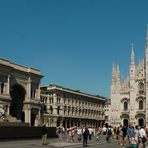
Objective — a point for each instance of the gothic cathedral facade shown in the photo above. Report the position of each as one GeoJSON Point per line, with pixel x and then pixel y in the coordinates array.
{"type": "Point", "coordinates": [129, 97]}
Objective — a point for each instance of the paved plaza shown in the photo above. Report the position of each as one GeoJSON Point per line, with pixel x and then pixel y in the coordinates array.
{"type": "Point", "coordinates": [56, 143]}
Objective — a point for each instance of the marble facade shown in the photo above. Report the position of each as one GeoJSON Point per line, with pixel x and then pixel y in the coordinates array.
{"type": "Point", "coordinates": [67, 107]}
{"type": "Point", "coordinates": [20, 91]}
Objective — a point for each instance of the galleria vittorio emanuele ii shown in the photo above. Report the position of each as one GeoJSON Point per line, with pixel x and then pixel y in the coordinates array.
{"type": "Point", "coordinates": [24, 101]}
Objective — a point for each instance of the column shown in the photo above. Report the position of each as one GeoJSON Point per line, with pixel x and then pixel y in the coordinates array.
{"type": "Point", "coordinates": [61, 110]}
{"type": "Point", "coordinates": [8, 110]}
{"type": "Point", "coordinates": [39, 113]}
{"type": "Point", "coordinates": [29, 88]}
{"type": "Point", "coordinates": [61, 106]}
{"type": "Point", "coordinates": [8, 84]}
{"type": "Point", "coordinates": [65, 123]}
{"type": "Point", "coordinates": [55, 122]}
{"type": "Point", "coordinates": [74, 123]}
{"type": "Point", "coordinates": [54, 104]}
{"type": "Point", "coordinates": [61, 122]}
{"type": "Point", "coordinates": [47, 105]}
{"type": "Point", "coordinates": [37, 121]}
{"type": "Point", "coordinates": [38, 94]}
{"type": "Point", "coordinates": [28, 115]}
{"type": "Point", "coordinates": [77, 124]}
{"type": "Point", "coordinates": [69, 123]}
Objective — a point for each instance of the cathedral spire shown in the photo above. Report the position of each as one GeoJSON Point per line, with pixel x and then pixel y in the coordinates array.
{"type": "Point", "coordinates": [132, 56]}
{"type": "Point", "coordinates": [118, 73]}
{"type": "Point", "coordinates": [146, 46]}
{"type": "Point", "coordinates": [114, 72]}
{"type": "Point", "coordinates": [147, 38]}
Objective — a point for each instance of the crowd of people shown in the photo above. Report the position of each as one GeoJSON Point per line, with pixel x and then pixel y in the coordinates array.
{"type": "Point", "coordinates": [134, 137]}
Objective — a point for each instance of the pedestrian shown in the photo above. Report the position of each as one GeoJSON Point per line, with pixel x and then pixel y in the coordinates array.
{"type": "Point", "coordinates": [79, 133]}
{"type": "Point", "coordinates": [120, 135]}
{"type": "Point", "coordinates": [85, 136]}
{"type": "Point", "coordinates": [104, 130]}
{"type": "Point", "coordinates": [124, 130]}
{"type": "Point", "coordinates": [136, 137]}
{"type": "Point", "coordinates": [142, 135]}
{"type": "Point", "coordinates": [98, 133]}
{"type": "Point", "coordinates": [44, 135]}
{"type": "Point", "coordinates": [90, 133]}
{"type": "Point", "coordinates": [130, 133]}
{"type": "Point", "coordinates": [117, 133]}
{"type": "Point", "coordinates": [109, 134]}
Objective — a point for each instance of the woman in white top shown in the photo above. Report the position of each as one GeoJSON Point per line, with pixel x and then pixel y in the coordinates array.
{"type": "Point", "coordinates": [143, 137]}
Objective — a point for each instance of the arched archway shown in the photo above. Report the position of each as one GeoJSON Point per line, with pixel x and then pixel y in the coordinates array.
{"type": "Point", "coordinates": [141, 122]}
{"type": "Point", "coordinates": [18, 95]}
{"type": "Point", "coordinates": [33, 116]}
{"type": "Point", "coordinates": [125, 122]}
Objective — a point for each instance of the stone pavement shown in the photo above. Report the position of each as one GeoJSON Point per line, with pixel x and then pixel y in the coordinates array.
{"type": "Point", "coordinates": [56, 143]}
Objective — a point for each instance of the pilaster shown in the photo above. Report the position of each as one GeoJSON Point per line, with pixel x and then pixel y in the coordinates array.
{"type": "Point", "coordinates": [27, 111]}
{"type": "Point", "coordinates": [8, 84]}
{"type": "Point", "coordinates": [29, 88]}
{"type": "Point", "coordinates": [54, 104]}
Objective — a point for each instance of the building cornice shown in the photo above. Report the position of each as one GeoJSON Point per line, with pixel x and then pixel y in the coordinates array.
{"type": "Point", "coordinates": [53, 87]}
{"type": "Point", "coordinates": [18, 67]}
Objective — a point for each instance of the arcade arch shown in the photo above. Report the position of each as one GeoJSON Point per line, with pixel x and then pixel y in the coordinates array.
{"type": "Point", "coordinates": [141, 122]}
{"type": "Point", "coordinates": [20, 92]}
{"type": "Point", "coordinates": [17, 93]}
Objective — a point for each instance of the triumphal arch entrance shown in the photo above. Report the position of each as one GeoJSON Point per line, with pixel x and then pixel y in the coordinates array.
{"type": "Point", "coordinates": [20, 93]}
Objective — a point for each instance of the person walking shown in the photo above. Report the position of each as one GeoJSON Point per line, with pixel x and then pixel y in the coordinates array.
{"type": "Point", "coordinates": [44, 135]}
{"type": "Point", "coordinates": [109, 134]}
{"type": "Point", "coordinates": [143, 137]}
{"type": "Point", "coordinates": [98, 133]}
{"type": "Point", "coordinates": [79, 133]}
{"type": "Point", "coordinates": [85, 137]}
{"type": "Point", "coordinates": [130, 133]}
{"type": "Point", "coordinates": [124, 130]}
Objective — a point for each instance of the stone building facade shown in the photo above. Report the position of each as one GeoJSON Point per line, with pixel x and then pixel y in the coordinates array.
{"type": "Point", "coordinates": [20, 92]}
{"type": "Point", "coordinates": [66, 107]}
{"type": "Point", "coordinates": [129, 97]}
{"type": "Point", "coordinates": [107, 107]}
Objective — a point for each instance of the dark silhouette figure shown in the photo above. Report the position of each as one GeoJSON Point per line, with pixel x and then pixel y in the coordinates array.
{"type": "Point", "coordinates": [85, 137]}
{"type": "Point", "coordinates": [44, 134]}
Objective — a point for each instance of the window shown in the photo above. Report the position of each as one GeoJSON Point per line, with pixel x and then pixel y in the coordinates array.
{"type": "Point", "coordinates": [140, 105]}
{"type": "Point", "coordinates": [125, 106]}
{"type": "Point", "coordinates": [58, 110]}
{"type": "Point", "coordinates": [141, 88]}
{"type": "Point", "coordinates": [2, 88]}
{"type": "Point", "coordinates": [51, 110]}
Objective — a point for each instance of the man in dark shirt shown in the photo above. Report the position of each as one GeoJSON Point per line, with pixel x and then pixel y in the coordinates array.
{"type": "Point", "coordinates": [85, 136]}
{"type": "Point", "coordinates": [44, 134]}
{"type": "Point", "coordinates": [124, 130]}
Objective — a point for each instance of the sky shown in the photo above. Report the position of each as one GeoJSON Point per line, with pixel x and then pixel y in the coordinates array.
{"type": "Point", "coordinates": [74, 43]}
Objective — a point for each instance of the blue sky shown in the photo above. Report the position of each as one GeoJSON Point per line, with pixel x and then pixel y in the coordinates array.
{"type": "Point", "coordinates": [74, 42]}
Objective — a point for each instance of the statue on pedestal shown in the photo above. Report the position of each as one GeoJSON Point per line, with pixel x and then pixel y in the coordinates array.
{"type": "Point", "coordinates": [2, 112]}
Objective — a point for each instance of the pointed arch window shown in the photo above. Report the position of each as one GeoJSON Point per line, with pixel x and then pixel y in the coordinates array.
{"type": "Point", "coordinates": [140, 105]}
{"type": "Point", "coordinates": [125, 106]}
{"type": "Point", "coordinates": [141, 88]}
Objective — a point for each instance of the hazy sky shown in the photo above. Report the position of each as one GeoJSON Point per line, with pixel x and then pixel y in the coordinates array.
{"type": "Point", "coordinates": [74, 42]}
